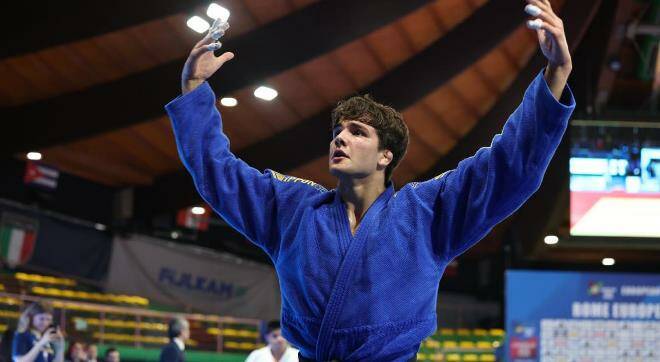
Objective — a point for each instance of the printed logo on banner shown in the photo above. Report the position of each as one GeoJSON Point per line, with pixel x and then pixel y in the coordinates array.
{"type": "Point", "coordinates": [599, 289]}
{"type": "Point", "coordinates": [199, 283]}
{"type": "Point", "coordinates": [18, 235]}
{"type": "Point", "coordinates": [524, 343]}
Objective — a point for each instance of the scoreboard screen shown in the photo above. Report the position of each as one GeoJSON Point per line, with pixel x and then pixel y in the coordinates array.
{"type": "Point", "coordinates": [615, 179]}
{"type": "Point", "coordinates": [582, 317]}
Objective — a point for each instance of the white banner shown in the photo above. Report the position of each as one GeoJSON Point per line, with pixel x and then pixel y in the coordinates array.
{"type": "Point", "coordinates": [190, 277]}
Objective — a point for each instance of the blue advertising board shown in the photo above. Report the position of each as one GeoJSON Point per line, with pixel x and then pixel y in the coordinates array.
{"type": "Point", "coordinates": [579, 316]}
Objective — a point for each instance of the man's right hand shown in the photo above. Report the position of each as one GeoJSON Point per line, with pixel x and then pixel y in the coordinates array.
{"type": "Point", "coordinates": [201, 64]}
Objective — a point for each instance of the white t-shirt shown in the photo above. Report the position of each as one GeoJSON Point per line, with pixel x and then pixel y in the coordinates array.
{"type": "Point", "coordinates": [179, 343]}
{"type": "Point", "coordinates": [264, 355]}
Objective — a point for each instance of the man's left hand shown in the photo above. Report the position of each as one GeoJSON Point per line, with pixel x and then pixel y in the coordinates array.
{"type": "Point", "coordinates": [550, 30]}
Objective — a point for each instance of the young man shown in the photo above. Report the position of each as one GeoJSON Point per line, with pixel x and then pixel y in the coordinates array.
{"type": "Point", "coordinates": [359, 265]}
{"type": "Point", "coordinates": [277, 348]}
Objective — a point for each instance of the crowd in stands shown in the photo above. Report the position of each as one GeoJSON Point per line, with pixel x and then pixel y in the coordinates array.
{"type": "Point", "coordinates": [38, 339]}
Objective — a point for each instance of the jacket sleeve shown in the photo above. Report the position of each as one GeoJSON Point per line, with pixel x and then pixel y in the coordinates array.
{"type": "Point", "coordinates": [21, 344]}
{"type": "Point", "coordinates": [169, 353]}
{"type": "Point", "coordinates": [245, 198]}
{"type": "Point", "coordinates": [464, 204]}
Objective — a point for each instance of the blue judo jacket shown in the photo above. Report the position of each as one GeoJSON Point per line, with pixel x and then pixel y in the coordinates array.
{"type": "Point", "coordinates": [372, 295]}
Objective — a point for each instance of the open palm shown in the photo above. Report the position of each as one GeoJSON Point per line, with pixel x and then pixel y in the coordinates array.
{"type": "Point", "coordinates": [202, 64]}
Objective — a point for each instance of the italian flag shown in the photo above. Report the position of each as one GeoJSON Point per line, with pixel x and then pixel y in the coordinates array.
{"type": "Point", "coordinates": [16, 244]}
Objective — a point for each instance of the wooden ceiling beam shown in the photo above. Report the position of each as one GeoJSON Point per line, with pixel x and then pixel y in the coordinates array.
{"type": "Point", "coordinates": [61, 22]}
{"type": "Point", "coordinates": [304, 34]}
{"type": "Point", "coordinates": [405, 85]}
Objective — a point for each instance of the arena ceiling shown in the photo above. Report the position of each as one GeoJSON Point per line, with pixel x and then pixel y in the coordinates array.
{"type": "Point", "coordinates": [85, 85]}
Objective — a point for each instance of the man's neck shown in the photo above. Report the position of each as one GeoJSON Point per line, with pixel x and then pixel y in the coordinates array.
{"type": "Point", "coordinates": [360, 194]}
{"type": "Point", "coordinates": [277, 354]}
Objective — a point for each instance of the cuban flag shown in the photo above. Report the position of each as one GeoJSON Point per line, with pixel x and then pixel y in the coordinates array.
{"type": "Point", "coordinates": [40, 176]}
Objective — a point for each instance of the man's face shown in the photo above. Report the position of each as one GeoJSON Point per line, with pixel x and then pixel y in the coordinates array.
{"type": "Point", "coordinates": [185, 332]}
{"type": "Point", "coordinates": [354, 150]}
{"type": "Point", "coordinates": [275, 340]}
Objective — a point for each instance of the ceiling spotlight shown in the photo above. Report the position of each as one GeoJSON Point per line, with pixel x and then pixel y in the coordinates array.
{"type": "Point", "coordinates": [216, 11]}
{"type": "Point", "coordinates": [34, 156]}
{"type": "Point", "coordinates": [265, 93]}
{"type": "Point", "coordinates": [228, 102]}
{"type": "Point", "coordinates": [608, 261]}
{"type": "Point", "coordinates": [198, 210]}
{"type": "Point", "coordinates": [198, 24]}
{"type": "Point", "coordinates": [551, 240]}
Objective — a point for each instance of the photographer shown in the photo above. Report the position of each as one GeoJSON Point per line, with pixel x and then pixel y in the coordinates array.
{"type": "Point", "coordinates": [36, 339]}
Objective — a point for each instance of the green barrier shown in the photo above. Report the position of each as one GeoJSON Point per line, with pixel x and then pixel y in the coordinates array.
{"type": "Point", "coordinates": [129, 354]}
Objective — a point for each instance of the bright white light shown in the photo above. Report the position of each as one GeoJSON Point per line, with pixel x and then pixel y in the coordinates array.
{"type": "Point", "coordinates": [608, 261]}
{"type": "Point", "coordinates": [198, 210]}
{"type": "Point", "coordinates": [216, 11]}
{"type": "Point", "coordinates": [588, 166]}
{"type": "Point", "coordinates": [229, 102]}
{"type": "Point", "coordinates": [265, 93]}
{"type": "Point", "coordinates": [174, 235]}
{"type": "Point", "coordinates": [551, 240]}
{"type": "Point", "coordinates": [198, 24]}
{"type": "Point", "coordinates": [100, 227]}
{"type": "Point", "coordinates": [34, 156]}
{"type": "Point", "coordinates": [621, 217]}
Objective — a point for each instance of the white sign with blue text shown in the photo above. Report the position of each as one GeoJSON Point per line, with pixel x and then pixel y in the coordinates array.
{"type": "Point", "coordinates": [193, 278]}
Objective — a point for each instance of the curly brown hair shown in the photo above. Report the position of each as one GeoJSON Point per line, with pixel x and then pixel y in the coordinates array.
{"type": "Point", "coordinates": [390, 127]}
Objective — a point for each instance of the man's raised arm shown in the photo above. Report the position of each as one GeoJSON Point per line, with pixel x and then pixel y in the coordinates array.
{"type": "Point", "coordinates": [248, 200]}
{"type": "Point", "coordinates": [464, 204]}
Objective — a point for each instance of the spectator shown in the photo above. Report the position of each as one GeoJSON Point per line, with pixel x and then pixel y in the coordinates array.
{"type": "Point", "coordinates": [36, 338]}
{"type": "Point", "coordinates": [278, 348]}
{"type": "Point", "coordinates": [92, 353]}
{"type": "Point", "coordinates": [76, 352]}
{"type": "Point", "coordinates": [112, 355]}
{"type": "Point", "coordinates": [178, 330]}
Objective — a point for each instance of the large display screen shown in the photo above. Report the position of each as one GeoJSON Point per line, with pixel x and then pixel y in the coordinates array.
{"type": "Point", "coordinates": [615, 179]}
{"type": "Point", "coordinates": [585, 317]}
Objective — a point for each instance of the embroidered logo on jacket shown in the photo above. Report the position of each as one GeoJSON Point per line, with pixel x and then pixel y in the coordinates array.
{"type": "Point", "coordinates": [441, 175]}
{"type": "Point", "coordinates": [284, 178]}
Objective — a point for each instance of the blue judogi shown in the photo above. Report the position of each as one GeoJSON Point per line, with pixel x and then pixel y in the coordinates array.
{"type": "Point", "coordinates": [372, 295]}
